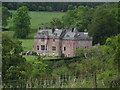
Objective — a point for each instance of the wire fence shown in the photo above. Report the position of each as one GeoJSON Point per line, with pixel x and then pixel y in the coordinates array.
{"type": "Point", "coordinates": [58, 82]}
{"type": "Point", "coordinates": [52, 82]}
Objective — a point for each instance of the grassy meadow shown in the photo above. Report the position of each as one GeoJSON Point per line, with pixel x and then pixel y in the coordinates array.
{"type": "Point", "coordinates": [39, 18]}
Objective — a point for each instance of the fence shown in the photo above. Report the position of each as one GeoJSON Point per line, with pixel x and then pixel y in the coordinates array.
{"type": "Point", "coordinates": [58, 82]}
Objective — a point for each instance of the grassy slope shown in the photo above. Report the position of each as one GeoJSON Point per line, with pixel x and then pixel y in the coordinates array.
{"type": "Point", "coordinates": [38, 18]}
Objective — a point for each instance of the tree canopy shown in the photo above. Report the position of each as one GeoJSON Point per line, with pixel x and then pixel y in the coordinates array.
{"type": "Point", "coordinates": [103, 25]}
{"type": "Point", "coordinates": [21, 21]}
{"type": "Point", "coordinates": [5, 16]}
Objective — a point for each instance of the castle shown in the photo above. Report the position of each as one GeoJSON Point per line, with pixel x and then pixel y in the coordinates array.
{"type": "Point", "coordinates": [55, 42]}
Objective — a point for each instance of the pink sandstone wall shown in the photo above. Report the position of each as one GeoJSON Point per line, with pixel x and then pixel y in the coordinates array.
{"type": "Point", "coordinates": [69, 47]}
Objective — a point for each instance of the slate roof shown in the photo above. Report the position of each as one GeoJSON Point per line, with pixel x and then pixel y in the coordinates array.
{"type": "Point", "coordinates": [48, 33]}
{"type": "Point", "coordinates": [69, 35]}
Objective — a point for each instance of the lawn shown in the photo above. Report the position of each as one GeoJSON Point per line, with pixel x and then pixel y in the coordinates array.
{"type": "Point", "coordinates": [30, 58]}
{"type": "Point", "coordinates": [27, 44]}
{"type": "Point", "coordinates": [38, 18]}
{"type": "Point", "coordinates": [50, 57]}
{"type": "Point", "coordinates": [9, 33]}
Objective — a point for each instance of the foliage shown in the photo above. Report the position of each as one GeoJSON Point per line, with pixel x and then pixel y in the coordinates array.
{"type": "Point", "coordinates": [11, 50]}
{"type": "Point", "coordinates": [104, 60]}
{"type": "Point", "coordinates": [70, 7]}
{"type": "Point", "coordinates": [103, 25]}
{"type": "Point", "coordinates": [56, 22]}
{"type": "Point", "coordinates": [79, 17]}
{"type": "Point", "coordinates": [5, 16]}
{"type": "Point", "coordinates": [62, 55]}
{"type": "Point", "coordinates": [21, 21]}
{"type": "Point", "coordinates": [61, 6]}
{"type": "Point", "coordinates": [39, 68]}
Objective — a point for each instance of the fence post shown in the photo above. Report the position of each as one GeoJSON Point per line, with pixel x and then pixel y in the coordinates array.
{"type": "Point", "coordinates": [95, 80]}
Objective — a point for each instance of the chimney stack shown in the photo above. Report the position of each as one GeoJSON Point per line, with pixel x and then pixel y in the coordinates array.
{"type": "Point", "coordinates": [72, 30]}
{"type": "Point", "coordinates": [53, 29]}
{"type": "Point", "coordinates": [44, 27]}
{"type": "Point", "coordinates": [38, 28]}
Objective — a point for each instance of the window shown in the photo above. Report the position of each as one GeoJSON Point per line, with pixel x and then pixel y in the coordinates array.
{"type": "Point", "coordinates": [64, 48]}
{"type": "Point", "coordinates": [53, 48]}
{"type": "Point", "coordinates": [42, 39]}
{"type": "Point", "coordinates": [42, 47]}
{"type": "Point", "coordinates": [53, 40]}
{"type": "Point", "coordinates": [37, 47]}
{"type": "Point", "coordinates": [46, 47]}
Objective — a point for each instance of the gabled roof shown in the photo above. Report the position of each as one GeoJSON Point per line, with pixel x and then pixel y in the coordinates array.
{"type": "Point", "coordinates": [64, 34]}
{"type": "Point", "coordinates": [69, 35]}
{"type": "Point", "coordinates": [48, 33]}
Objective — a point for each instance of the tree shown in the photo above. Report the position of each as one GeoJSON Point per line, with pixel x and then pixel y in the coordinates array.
{"type": "Point", "coordinates": [39, 68]}
{"type": "Point", "coordinates": [13, 64]}
{"type": "Point", "coordinates": [5, 16]}
{"type": "Point", "coordinates": [79, 17]}
{"type": "Point", "coordinates": [41, 8]}
{"type": "Point", "coordinates": [57, 22]}
{"type": "Point", "coordinates": [70, 7]}
{"type": "Point", "coordinates": [21, 21]}
{"type": "Point", "coordinates": [103, 25]}
{"type": "Point", "coordinates": [48, 8]}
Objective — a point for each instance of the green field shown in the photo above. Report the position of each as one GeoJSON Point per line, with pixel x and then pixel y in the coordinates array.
{"type": "Point", "coordinates": [38, 18]}
{"type": "Point", "coordinates": [27, 44]}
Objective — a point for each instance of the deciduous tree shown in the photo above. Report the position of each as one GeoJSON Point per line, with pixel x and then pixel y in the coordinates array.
{"type": "Point", "coordinates": [21, 22]}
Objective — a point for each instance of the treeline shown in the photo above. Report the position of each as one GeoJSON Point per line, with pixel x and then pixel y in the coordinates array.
{"type": "Point", "coordinates": [49, 6]}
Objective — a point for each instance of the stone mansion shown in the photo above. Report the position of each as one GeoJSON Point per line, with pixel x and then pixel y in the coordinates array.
{"type": "Point", "coordinates": [54, 42]}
